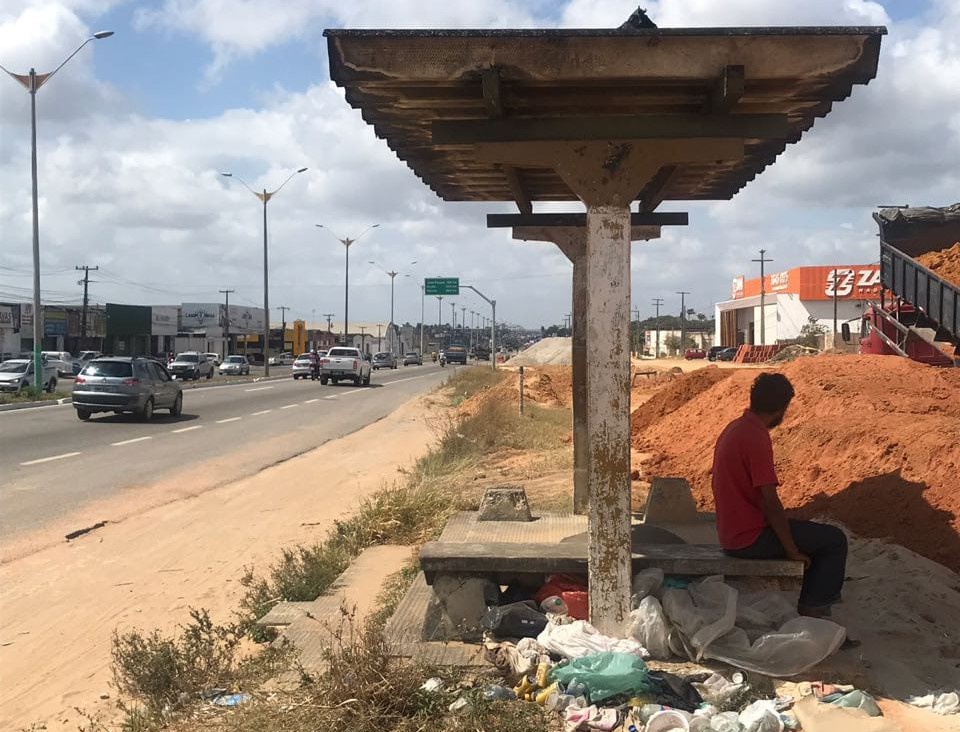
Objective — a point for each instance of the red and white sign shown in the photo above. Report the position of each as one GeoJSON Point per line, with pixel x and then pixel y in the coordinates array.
{"type": "Point", "coordinates": [864, 282]}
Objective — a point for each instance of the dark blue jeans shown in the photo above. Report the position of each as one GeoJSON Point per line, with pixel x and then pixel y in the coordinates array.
{"type": "Point", "coordinates": [825, 545]}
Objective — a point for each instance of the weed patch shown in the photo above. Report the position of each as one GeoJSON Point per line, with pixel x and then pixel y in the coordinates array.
{"type": "Point", "coordinates": [468, 382]}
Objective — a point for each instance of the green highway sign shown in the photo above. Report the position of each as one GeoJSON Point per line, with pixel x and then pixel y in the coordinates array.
{"type": "Point", "coordinates": [442, 285]}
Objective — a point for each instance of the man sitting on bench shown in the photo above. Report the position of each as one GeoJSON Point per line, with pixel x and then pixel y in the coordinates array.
{"type": "Point", "coordinates": [751, 522]}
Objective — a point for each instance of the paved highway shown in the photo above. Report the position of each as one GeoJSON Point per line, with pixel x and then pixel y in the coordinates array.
{"type": "Point", "coordinates": [51, 463]}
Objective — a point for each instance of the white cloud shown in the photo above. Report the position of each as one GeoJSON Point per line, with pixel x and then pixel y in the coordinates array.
{"type": "Point", "coordinates": [141, 196]}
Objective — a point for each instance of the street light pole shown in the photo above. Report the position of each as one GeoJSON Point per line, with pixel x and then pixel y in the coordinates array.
{"type": "Point", "coordinates": [439, 311]}
{"type": "Point", "coordinates": [346, 241]}
{"type": "Point", "coordinates": [265, 197]}
{"type": "Point", "coordinates": [32, 83]}
{"type": "Point", "coordinates": [392, 274]}
{"type": "Point", "coordinates": [422, 301]}
{"type": "Point", "coordinates": [683, 319]}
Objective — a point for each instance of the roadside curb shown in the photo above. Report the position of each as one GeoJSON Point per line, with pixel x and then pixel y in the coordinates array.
{"type": "Point", "coordinates": [30, 405]}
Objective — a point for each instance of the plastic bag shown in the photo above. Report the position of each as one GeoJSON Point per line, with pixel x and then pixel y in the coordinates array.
{"type": "Point", "coordinates": [648, 625]}
{"type": "Point", "coordinates": [604, 674]}
{"type": "Point", "coordinates": [645, 583]}
{"type": "Point", "coordinates": [517, 620]}
{"type": "Point", "coordinates": [579, 638]}
{"type": "Point", "coordinates": [798, 645]}
{"type": "Point", "coordinates": [703, 611]}
{"type": "Point", "coordinates": [761, 716]}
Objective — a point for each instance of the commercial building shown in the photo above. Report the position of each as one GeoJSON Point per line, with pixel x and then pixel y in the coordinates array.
{"type": "Point", "coordinates": [670, 341]}
{"type": "Point", "coordinates": [792, 299]}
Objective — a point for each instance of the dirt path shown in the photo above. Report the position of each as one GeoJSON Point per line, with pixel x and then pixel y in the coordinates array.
{"type": "Point", "coordinates": [60, 605]}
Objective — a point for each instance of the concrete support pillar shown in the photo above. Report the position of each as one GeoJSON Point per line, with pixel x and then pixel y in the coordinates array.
{"type": "Point", "coordinates": [581, 448]}
{"type": "Point", "coordinates": [608, 414]}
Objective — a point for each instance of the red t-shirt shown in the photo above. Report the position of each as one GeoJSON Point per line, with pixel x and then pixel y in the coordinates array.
{"type": "Point", "coordinates": [742, 464]}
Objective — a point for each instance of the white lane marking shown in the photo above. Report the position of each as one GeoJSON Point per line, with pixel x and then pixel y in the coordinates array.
{"type": "Point", "coordinates": [352, 391]}
{"type": "Point", "coordinates": [398, 381]}
{"type": "Point", "coordinates": [230, 419]}
{"type": "Point", "coordinates": [188, 429]}
{"type": "Point", "coordinates": [290, 406]}
{"type": "Point", "coordinates": [259, 388]}
{"type": "Point", "coordinates": [332, 396]}
{"type": "Point", "coordinates": [130, 442]}
{"type": "Point", "coordinates": [263, 411]}
{"type": "Point", "coordinates": [311, 401]}
{"type": "Point", "coordinates": [48, 459]}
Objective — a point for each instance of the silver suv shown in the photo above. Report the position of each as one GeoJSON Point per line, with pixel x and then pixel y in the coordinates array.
{"type": "Point", "coordinates": [191, 365]}
{"type": "Point", "coordinates": [117, 384]}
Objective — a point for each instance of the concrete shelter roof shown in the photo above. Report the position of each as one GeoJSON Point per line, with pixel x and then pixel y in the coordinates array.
{"type": "Point", "coordinates": [430, 94]}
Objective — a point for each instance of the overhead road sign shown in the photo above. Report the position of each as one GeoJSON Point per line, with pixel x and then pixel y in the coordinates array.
{"type": "Point", "coordinates": [442, 285]}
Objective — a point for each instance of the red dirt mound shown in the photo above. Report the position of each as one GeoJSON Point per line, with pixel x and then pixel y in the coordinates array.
{"type": "Point", "coordinates": [872, 441]}
{"type": "Point", "coordinates": [680, 389]}
{"type": "Point", "coordinates": [946, 263]}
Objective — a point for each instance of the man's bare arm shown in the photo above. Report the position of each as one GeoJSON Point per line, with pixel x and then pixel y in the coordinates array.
{"type": "Point", "coordinates": [777, 518]}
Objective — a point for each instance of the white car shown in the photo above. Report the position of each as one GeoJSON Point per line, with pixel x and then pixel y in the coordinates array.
{"type": "Point", "coordinates": [301, 367]}
{"type": "Point", "coordinates": [215, 357]}
{"type": "Point", "coordinates": [235, 365]}
{"type": "Point", "coordinates": [17, 374]}
{"type": "Point", "coordinates": [62, 360]}
{"type": "Point", "coordinates": [283, 359]}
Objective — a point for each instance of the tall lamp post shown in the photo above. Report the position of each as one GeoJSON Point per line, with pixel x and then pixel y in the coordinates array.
{"type": "Point", "coordinates": [32, 82]}
{"type": "Point", "coordinates": [346, 241]}
{"type": "Point", "coordinates": [265, 197]}
{"type": "Point", "coordinates": [392, 274]}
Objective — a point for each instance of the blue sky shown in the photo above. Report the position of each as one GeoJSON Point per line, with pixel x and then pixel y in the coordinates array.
{"type": "Point", "coordinates": [133, 132]}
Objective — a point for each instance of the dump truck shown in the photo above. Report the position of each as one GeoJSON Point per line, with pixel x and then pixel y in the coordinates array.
{"type": "Point", "coordinates": [918, 315]}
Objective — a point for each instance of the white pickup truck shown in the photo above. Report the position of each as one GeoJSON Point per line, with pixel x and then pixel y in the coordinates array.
{"type": "Point", "coordinates": [345, 363]}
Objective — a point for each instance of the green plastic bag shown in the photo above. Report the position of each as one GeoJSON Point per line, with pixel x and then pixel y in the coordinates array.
{"type": "Point", "coordinates": [604, 674]}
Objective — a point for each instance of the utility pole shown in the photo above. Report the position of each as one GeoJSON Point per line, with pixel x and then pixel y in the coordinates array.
{"type": "Point", "coordinates": [283, 326]}
{"type": "Point", "coordinates": [226, 317]}
{"type": "Point", "coordinates": [439, 311]}
{"type": "Point", "coordinates": [86, 299]}
{"type": "Point", "coordinates": [363, 334]}
{"type": "Point", "coordinates": [463, 317]}
{"type": "Point", "coordinates": [636, 332]}
{"type": "Point", "coordinates": [329, 317]}
{"type": "Point", "coordinates": [763, 297]}
{"type": "Point", "coordinates": [683, 319]}
{"type": "Point", "coordinates": [453, 318]}
{"type": "Point", "coordinates": [379, 339]}
{"type": "Point", "coordinates": [834, 307]}
{"type": "Point", "coordinates": [422, 298]}
{"type": "Point", "coordinates": [657, 302]}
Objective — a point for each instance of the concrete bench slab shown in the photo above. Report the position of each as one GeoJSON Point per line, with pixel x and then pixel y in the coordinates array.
{"type": "Point", "coordinates": [506, 560]}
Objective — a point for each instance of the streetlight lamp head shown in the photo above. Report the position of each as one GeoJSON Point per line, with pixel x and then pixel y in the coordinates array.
{"type": "Point", "coordinates": [375, 226]}
{"type": "Point", "coordinates": [302, 170]}
{"type": "Point", "coordinates": [102, 34]}
{"type": "Point", "coordinates": [227, 175]}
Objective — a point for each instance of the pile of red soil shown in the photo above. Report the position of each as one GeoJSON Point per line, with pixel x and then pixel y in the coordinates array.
{"type": "Point", "coordinates": [871, 441]}
{"type": "Point", "coordinates": [679, 389]}
{"type": "Point", "coordinates": [945, 263]}
{"type": "Point", "coordinates": [549, 385]}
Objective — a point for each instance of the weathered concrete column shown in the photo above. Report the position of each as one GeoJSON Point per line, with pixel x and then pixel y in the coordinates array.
{"type": "Point", "coordinates": [608, 414]}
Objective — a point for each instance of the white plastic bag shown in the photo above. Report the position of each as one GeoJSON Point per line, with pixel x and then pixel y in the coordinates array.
{"type": "Point", "coordinates": [761, 716]}
{"type": "Point", "coordinates": [648, 626]}
{"type": "Point", "coordinates": [579, 638]}
{"type": "Point", "coordinates": [702, 612]}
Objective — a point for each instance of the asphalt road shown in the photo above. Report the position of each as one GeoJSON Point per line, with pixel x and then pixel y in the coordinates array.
{"type": "Point", "coordinates": [51, 463]}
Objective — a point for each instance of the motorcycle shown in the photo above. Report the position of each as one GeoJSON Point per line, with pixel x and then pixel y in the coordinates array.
{"type": "Point", "coordinates": [443, 360]}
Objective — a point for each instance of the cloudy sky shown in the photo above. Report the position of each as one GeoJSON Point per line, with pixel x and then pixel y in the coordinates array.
{"type": "Point", "coordinates": [133, 131]}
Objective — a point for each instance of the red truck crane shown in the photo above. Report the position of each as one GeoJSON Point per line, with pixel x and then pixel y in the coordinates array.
{"type": "Point", "coordinates": [921, 317]}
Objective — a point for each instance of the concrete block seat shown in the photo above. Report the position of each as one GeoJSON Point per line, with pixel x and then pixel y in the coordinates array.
{"type": "Point", "coordinates": [504, 562]}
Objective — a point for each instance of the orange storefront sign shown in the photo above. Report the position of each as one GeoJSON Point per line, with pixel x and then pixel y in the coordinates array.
{"type": "Point", "coordinates": [853, 282]}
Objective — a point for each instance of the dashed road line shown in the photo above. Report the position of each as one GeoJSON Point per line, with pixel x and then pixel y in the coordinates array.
{"type": "Point", "coordinates": [49, 459]}
{"type": "Point", "coordinates": [311, 401]}
{"type": "Point", "coordinates": [332, 396]}
{"type": "Point", "coordinates": [352, 391]}
{"type": "Point", "coordinates": [130, 442]}
{"type": "Point", "coordinates": [262, 411]}
{"type": "Point", "coordinates": [187, 429]}
{"type": "Point", "coordinates": [259, 388]}
{"type": "Point", "coordinates": [229, 419]}
{"type": "Point", "coordinates": [289, 406]}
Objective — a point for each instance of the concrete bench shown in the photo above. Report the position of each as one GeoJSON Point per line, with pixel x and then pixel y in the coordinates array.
{"type": "Point", "coordinates": [505, 561]}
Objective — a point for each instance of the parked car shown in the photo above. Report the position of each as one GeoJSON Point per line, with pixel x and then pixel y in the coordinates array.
{"type": "Point", "coordinates": [345, 363]}
{"type": "Point", "coordinates": [385, 360]}
{"type": "Point", "coordinates": [61, 359]}
{"type": "Point", "coordinates": [412, 358]}
{"type": "Point", "coordinates": [191, 365]}
{"type": "Point", "coordinates": [17, 374]}
{"type": "Point", "coordinates": [235, 366]}
{"type": "Point", "coordinates": [213, 358]}
{"type": "Point", "coordinates": [713, 351]}
{"type": "Point", "coordinates": [126, 384]}
{"type": "Point", "coordinates": [301, 367]}
{"type": "Point", "coordinates": [281, 359]}
{"type": "Point", "coordinates": [727, 354]}
{"type": "Point", "coordinates": [694, 353]}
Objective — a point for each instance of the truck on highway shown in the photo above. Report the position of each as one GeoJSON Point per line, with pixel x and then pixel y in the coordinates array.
{"type": "Point", "coordinates": [456, 353]}
{"type": "Point", "coordinates": [342, 363]}
{"type": "Point", "coordinates": [921, 320]}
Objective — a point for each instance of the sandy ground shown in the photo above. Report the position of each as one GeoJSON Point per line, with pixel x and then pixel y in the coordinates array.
{"type": "Point", "coordinates": [61, 604]}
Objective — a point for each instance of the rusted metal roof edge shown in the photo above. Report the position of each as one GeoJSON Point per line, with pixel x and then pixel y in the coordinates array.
{"type": "Point", "coordinates": [862, 30]}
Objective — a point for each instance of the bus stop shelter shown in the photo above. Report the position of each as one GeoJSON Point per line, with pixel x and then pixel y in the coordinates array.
{"type": "Point", "coordinates": [620, 121]}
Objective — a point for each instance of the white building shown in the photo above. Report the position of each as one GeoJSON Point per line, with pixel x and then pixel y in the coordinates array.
{"type": "Point", "coordinates": [791, 300]}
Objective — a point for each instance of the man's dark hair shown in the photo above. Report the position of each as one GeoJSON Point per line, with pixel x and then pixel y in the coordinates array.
{"type": "Point", "coordinates": [770, 393]}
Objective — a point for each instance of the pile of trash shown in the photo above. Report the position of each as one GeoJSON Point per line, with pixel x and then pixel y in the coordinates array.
{"type": "Point", "coordinates": [791, 353]}
{"type": "Point", "coordinates": [549, 655]}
